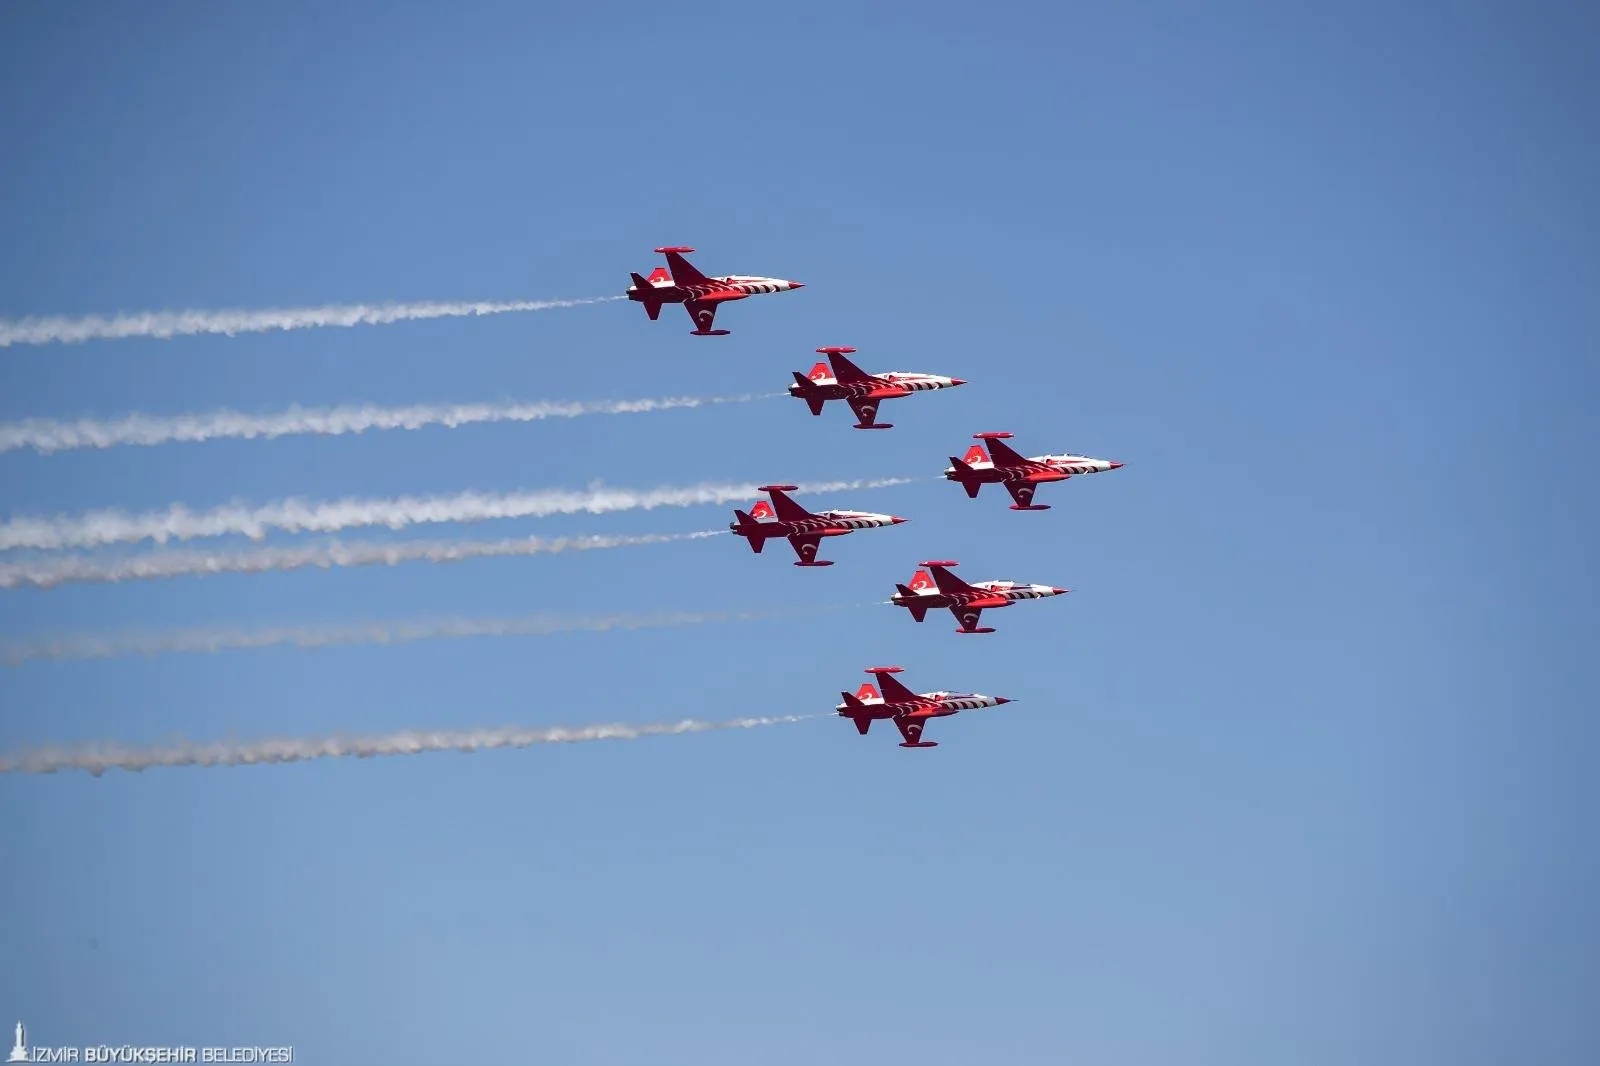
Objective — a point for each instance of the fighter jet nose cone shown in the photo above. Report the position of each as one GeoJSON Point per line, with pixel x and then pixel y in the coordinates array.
{"type": "Point", "coordinates": [797, 285]}
{"type": "Point", "coordinates": [1116, 466]}
{"type": "Point", "coordinates": [1060, 592]}
{"type": "Point", "coordinates": [958, 381]}
{"type": "Point", "coordinates": [1001, 699]}
{"type": "Point", "coordinates": [895, 519]}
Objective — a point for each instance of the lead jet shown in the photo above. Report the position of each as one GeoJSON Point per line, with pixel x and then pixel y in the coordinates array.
{"type": "Point", "coordinates": [1021, 475]}
{"type": "Point", "coordinates": [840, 379]}
{"type": "Point", "coordinates": [700, 295]}
{"type": "Point", "coordinates": [804, 530]}
{"type": "Point", "coordinates": [967, 602]}
{"type": "Point", "coordinates": [908, 710]}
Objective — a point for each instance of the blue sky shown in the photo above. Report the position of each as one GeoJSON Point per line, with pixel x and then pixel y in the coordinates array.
{"type": "Point", "coordinates": [1297, 771]}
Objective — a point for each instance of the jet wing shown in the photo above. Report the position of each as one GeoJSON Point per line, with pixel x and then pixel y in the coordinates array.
{"type": "Point", "coordinates": [703, 308]}
{"type": "Point", "coordinates": [968, 613]}
{"type": "Point", "coordinates": [911, 730]}
{"type": "Point", "coordinates": [1002, 454]}
{"type": "Point", "coordinates": [683, 272]}
{"type": "Point", "coordinates": [805, 546]}
{"type": "Point", "coordinates": [701, 314]}
{"type": "Point", "coordinates": [866, 410]}
{"type": "Point", "coordinates": [1022, 492]}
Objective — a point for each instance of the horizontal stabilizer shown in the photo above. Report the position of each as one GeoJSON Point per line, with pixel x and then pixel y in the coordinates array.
{"type": "Point", "coordinates": [860, 715]}
{"type": "Point", "coordinates": [652, 305]}
{"type": "Point", "coordinates": [756, 539]}
{"type": "Point", "coordinates": [918, 611]}
{"type": "Point", "coordinates": [965, 474]}
{"type": "Point", "coordinates": [808, 393]}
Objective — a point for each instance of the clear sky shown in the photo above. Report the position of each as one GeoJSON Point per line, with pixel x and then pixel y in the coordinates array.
{"type": "Point", "coordinates": [1301, 771]}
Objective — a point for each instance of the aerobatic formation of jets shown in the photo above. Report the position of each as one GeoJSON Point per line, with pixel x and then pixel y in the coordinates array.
{"type": "Point", "coordinates": [934, 586]}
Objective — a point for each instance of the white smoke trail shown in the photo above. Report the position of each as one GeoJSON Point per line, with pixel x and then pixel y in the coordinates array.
{"type": "Point", "coordinates": [165, 325]}
{"type": "Point", "coordinates": [49, 572]}
{"type": "Point", "coordinates": [97, 758]}
{"type": "Point", "coordinates": [303, 516]}
{"type": "Point", "coordinates": [47, 435]}
{"type": "Point", "coordinates": [212, 639]}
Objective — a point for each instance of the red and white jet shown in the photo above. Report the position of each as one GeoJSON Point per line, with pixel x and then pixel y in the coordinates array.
{"type": "Point", "coordinates": [1021, 475]}
{"type": "Point", "coordinates": [862, 391]}
{"type": "Point", "coordinates": [966, 602]}
{"type": "Point", "coordinates": [908, 710]}
{"type": "Point", "coordinates": [699, 294]}
{"type": "Point", "coordinates": [785, 518]}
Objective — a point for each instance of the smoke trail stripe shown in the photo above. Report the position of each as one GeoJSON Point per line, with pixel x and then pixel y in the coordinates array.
{"type": "Point", "coordinates": [48, 436]}
{"type": "Point", "coordinates": [51, 571]}
{"type": "Point", "coordinates": [215, 639]}
{"type": "Point", "coordinates": [296, 515]}
{"type": "Point", "coordinates": [164, 325]}
{"type": "Point", "coordinates": [97, 758]}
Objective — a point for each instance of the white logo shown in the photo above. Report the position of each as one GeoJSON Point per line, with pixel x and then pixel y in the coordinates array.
{"type": "Point", "coordinates": [20, 1052]}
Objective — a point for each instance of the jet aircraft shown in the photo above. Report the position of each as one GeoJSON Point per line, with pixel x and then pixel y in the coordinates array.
{"type": "Point", "coordinates": [804, 530]}
{"type": "Point", "coordinates": [840, 379]}
{"type": "Point", "coordinates": [1019, 474]}
{"type": "Point", "coordinates": [908, 710]}
{"type": "Point", "coordinates": [699, 294]}
{"type": "Point", "coordinates": [966, 602]}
